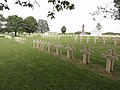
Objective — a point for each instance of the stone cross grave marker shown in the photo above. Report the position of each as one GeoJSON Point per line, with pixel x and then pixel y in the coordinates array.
{"type": "Point", "coordinates": [40, 44]}
{"type": "Point", "coordinates": [34, 44]}
{"type": "Point", "coordinates": [115, 40]}
{"type": "Point", "coordinates": [104, 40]}
{"type": "Point", "coordinates": [43, 45]}
{"type": "Point", "coordinates": [59, 49]}
{"type": "Point", "coordinates": [88, 39]}
{"type": "Point", "coordinates": [69, 52]}
{"type": "Point", "coordinates": [95, 40]}
{"type": "Point", "coordinates": [49, 47]}
{"type": "Point", "coordinates": [75, 38]}
{"type": "Point", "coordinates": [86, 54]}
{"type": "Point", "coordinates": [110, 56]}
{"type": "Point", "coordinates": [37, 44]}
{"type": "Point", "coordinates": [110, 36]}
{"type": "Point", "coordinates": [58, 37]}
{"type": "Point", "coordinates": [81, 38]}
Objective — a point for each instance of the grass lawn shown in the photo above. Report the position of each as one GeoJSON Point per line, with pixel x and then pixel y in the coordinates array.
{"type": "Point", "coordinates": [25, 68]}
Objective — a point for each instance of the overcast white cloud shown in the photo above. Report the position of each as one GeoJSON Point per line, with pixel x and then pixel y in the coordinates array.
{"type": "Point", "coordinates": [73, 20]}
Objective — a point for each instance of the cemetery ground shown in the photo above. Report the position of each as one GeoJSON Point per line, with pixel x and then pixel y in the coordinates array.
{"type": "Point", "coordinates": [23, 67]}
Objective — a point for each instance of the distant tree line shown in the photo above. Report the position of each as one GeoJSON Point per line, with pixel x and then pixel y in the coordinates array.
{"type": "Point", "coordinates": [110, 33]}
{"type": "Point", "coordinates": [16, 24]}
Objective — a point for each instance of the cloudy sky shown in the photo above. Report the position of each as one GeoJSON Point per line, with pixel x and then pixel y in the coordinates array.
{"type": "Point", "coordinates": [73, 20]}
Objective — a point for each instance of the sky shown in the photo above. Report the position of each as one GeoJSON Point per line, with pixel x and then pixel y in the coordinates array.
{"type": "Point", "coordinates": [72, 19]}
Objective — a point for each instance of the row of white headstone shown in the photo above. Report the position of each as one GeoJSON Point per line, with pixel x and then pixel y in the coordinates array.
{"type": "Point", "coordinates": [116, 39]}
{"type": "Point", "coordinates": [110, 55]}
{"type": "Point", "coordinates": [20, 39]}
{"type": "Point", "coordinates": [56, 37]}
{"type": "Point", "coordinates": [80, 38]}
{"type": "Point", "coordinates": [8, 36]}
{"type": "Point", "coordinates": [43, 45]}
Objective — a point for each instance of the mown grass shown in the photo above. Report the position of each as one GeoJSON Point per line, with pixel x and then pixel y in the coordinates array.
{"type": "Point", "coordinates": [99, 48]}
{"type": "Point", "coordinates": [25, 68]}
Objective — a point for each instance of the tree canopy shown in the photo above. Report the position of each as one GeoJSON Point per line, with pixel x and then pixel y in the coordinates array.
{"type": "Point", "coordinates": [63, 29]}
{"type": "Point", "coordinates": [2, 22]}
{"type": "Point", "coordinates": [42, 26]}
{"type": "Point", "coordinates": [14, 23]}
{"type": "Point", "coordinates": [58, 5]}
{"type": "Point", "coordinates": [30, 24]}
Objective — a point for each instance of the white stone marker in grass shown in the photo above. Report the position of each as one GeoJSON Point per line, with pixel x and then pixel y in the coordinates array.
{"type": "Point", "coordinates": [86, 54]}
{"type": "Point", "coordinates": [110, 36]}
{"type": "Point", "coordinates": [75, 38]}
{"type": "Point", "coordinates": [80, 38]}
{"type": "Point", "coordinates": [69, 52]}
{"type": "Point", "coordinates": [104, 40]}
{"type": "Point", "coordinates": [34, 43]}
{"type": "Point", "coordinates": [115, 40]}
{"type": "Point", "coordinates": [88, 39]}
{"type": "Point", "coordinates": [49, 47]}
{"type": "Point", "coordinates": [59, 49]}
{"type": "Point", "coordinates": [110, 56]}
{"type": "Point", "coordinates": [40, 45]}
{"type": "Point", "coordinates": [37, 44]}
{"type": "Point", "coordinates": [95, 40]}
{"type": "Point", "coordinates": [43, 46]}
{"type": "Point", "coordinates": [8, 36]}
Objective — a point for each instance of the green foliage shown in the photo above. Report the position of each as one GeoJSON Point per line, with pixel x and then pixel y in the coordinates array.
{"type": "Point", "coordinates": [58, 5]}
{"type": "Point", "coordinates": [30, 24]}
{"type": "Point", "coordinates": [111, 33]}
{"type": "Point", "coordinates": [108, 12]}
{"type": "Point", "coordinates": [14, 23]}
{"type": "Point", "coordinates": [117, 2]}
{"type": "Point", "coordinates": [24, 4]}
{"type": "Point", "coordinates": [63, 29]}
{"type": "Point", "coordinates": [2, 20]}
{"type": "Point", "coordinates": [87, 33]}
{"type": "Point", "coordinates": [78, 32]}
{"type": "Point", "coordinates": [4, 6]}
{"type": "Point", "coordinates": [43, 26]}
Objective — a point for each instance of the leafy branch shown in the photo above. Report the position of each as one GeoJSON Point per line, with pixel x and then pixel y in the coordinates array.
{"type": "Point", "coordinates": [107, 11]}
{"type": "Point", "coordinates": [58, 5]}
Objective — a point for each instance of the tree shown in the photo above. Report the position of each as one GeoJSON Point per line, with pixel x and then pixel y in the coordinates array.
{"type": "Point", "coordinates": [14, 23]}
{"type": "Point", "coordinates": [58, 5]}
{"type": "Point", "coordinates": [43, 26]}
{"type": "Point", "coordinates": [98, 27]}
{"type": "Point", "coordinates": [30, 24]}
{"type": "Point", "coordinates": [63, 29]}
{"type": "Point", "coordinates": [2, 22]}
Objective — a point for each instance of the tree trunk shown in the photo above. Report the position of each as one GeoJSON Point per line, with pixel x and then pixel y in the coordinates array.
{"type": "Point", "coordinates": [15, 33]}
{"type": "Point", "coordinates": [119, 13]}
{"type": "Point", "coordinates": [29, 33]}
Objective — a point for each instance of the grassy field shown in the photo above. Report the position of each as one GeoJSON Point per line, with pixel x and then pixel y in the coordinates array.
{"type": "Point", "coordinates": [24, 68]}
